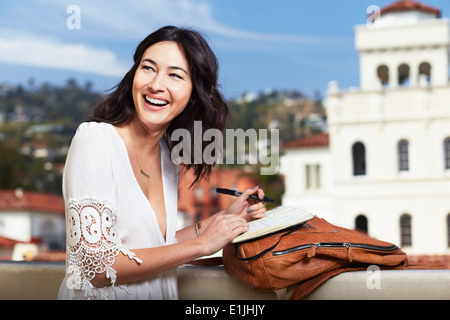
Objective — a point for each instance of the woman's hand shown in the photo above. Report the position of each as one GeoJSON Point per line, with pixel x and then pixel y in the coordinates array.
{"type": "Point", "coordinates": [223, 227]}
{"type": "Point", "coordinates": [246, 207]}
{"type": "Point", "coordinates": [221, 230]}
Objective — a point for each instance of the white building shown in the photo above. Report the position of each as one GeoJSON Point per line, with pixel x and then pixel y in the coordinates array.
{"type": "Point", "coordinates": [32, 218]}
{"type": "Point", "coordinates": [386, 168]}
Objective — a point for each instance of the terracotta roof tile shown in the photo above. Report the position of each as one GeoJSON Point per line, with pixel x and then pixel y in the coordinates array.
{"type": "Point", "coordinates": [29, 200]}
{"type": "Point", "coordinates": [7, 242]}
{"type": "Point", "coordinates": [316, 140]}
{"type": "Point", "coordinates": [10, 243]}
{"type": "Point", "coordinates": [409, 5]}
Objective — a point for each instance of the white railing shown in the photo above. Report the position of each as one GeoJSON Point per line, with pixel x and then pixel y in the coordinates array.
{"type": "Point", "coordinates": [37, 280]}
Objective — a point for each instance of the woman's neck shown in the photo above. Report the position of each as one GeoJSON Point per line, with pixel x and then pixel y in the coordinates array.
{"type": "Point", "coordinates": [144, 139]}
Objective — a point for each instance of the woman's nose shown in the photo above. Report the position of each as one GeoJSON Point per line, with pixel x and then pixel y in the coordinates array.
{"type": "Point", "coordinates": [157, 83]}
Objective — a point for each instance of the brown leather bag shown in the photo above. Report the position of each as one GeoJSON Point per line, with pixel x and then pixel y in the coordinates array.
{"type": "Point", "coordinates": [307, 255]}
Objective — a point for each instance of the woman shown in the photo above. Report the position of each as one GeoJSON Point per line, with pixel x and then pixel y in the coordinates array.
{"type": "Point", "coordinates": [120, 185]}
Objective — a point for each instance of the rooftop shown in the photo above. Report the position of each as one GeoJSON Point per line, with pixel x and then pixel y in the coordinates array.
{"type": "Point", "coordinates": [15, 200]}
{"type": "Point", "coordinates": [410, 5]}
{"type": "Point", "coordinates": [316, 140]}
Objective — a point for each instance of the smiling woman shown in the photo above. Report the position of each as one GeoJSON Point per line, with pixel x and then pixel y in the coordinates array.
{"type": "Point", "coordinates": [206, 102]}
{"type": "Point", "coordinates": [120, 185]}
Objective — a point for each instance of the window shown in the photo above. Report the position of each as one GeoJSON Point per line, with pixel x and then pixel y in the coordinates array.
{"type": "Point", "coordinates": [361, 223]}
{"type": "Point", "coordinates": [447, 153]}
{"type": "Point", "coordinates": [424, 74]}
{"type": "Point", "coordinates": [312, 176]}
{"type": "Point", "coordinates": [49, 236]}
{"type": "Point", "coordinates": [405, 230]}
{"type": "Point", "coordinates": [403, 157]}
{"type": "Point", "coordinates": [403, 75]}
{"type": "Point", "coordinates": [383, 75]}
{"type": "Point", "coordinates": [359, 159]}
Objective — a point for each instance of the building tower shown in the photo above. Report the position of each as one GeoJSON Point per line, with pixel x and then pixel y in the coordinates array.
{"type": "Point", "coordinates": [404, 44]}
{"type": "Point", "coordinates": [386, 168]}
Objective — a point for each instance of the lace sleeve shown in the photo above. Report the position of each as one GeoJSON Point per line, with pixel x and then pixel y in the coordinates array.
{"type": "Point", "coordinates": [92, 243]}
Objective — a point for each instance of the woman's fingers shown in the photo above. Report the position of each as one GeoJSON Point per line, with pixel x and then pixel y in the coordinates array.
{"type": "Point", "coordinates": [247, 193]}
{"type": "Point", "coordinates": [248, 208]}
{"type": "Point", "coordinates": [257, 210]}
{"type": "Point", "coordinates": [261, 194]}
{"type": "Point", "coordinates": [226, 225]}
{"type": "Point", "coordinates": [221, 231]}
{"type": "Point", "coordinates": [233, 222]}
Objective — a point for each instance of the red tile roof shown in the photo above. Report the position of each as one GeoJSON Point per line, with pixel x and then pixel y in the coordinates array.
{"type": "Point", "coordinates": [10, 243]}
{"type": "Point", "coordinates": [28, 200]}
{"type": "Point", "coordinates": [7, 242]}
{"type": "Point", "coordinates": [410, 5]}
{"type": "Point", "coordinates": [316, 140]}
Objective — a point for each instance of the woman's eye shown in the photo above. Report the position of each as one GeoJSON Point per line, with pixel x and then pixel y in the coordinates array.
{"type": "Point", "coordinates": [148, 68]}
{"type": "Point", "coordinates": [176, 76]}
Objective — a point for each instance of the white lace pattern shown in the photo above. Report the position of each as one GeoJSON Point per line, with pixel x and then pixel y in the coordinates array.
{"type": "Point", "coordinates": [92, 245]}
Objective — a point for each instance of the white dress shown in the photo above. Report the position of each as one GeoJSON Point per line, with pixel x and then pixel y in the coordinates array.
{"type": "Point", "coordinates": [107, 213]}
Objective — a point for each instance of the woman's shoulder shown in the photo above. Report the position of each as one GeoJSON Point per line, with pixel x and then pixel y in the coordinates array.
{"type": "Point", "coordinates": [94, 130]}
{"type": "Point", "coordinates": [95, 127]}
{"type": "Point", "coordinates": [93, 133]}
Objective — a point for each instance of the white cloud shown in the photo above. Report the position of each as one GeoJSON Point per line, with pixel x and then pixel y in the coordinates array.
{"type": "Point", "coordinates": [134, 19]}
{"type": "Point", "coordinates": [116, 21]}
{"type": "Point", "coordinates": [43, 52]}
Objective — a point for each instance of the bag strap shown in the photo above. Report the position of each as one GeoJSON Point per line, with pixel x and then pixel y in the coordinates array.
{"type": "Point", "coordinates": [256, 256]}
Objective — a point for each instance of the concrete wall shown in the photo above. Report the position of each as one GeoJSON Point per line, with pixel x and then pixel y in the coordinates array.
{"type": "Point", "coordinates": [41, 281]}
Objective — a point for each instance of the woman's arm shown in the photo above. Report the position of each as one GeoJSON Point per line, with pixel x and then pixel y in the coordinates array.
{"type": "Point", "coordinates": [216, 231]}
{"type": "Point", "coordinates": [221, 230]}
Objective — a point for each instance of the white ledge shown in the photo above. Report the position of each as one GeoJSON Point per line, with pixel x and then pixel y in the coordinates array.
{"type": "Point", "coordinates": [41, 281]}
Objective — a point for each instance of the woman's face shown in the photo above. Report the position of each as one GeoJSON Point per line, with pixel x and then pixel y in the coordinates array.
{"type": "Point", "coordinates": [162, 85]}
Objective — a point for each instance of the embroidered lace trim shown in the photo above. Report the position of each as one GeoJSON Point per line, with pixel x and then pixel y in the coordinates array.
{"type": "Point", "coordinates": [92, 245]}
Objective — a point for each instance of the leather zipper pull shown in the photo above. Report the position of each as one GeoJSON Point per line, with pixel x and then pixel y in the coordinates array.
{"type": "Point", "coordinates": [311, 251]}
{"type": "Point", "coordinates": [349, 252]}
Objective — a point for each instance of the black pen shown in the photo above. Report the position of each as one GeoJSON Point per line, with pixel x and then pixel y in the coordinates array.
{"type": "Point", "coordinates": [238, 193]}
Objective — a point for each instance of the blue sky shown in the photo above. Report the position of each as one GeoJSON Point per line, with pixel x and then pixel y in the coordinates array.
{"type": "Point", "coordinates": [260, 44]}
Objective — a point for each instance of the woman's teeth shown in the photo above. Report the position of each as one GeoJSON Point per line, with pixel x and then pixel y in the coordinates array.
{"type": "Point", "coordinates": [156, 102]}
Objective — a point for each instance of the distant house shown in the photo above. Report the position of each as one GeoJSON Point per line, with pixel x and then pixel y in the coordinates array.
{"type": "Point", "coordinates": [201, 201]}
{"type": "Point", "coordinates": [31, 218]}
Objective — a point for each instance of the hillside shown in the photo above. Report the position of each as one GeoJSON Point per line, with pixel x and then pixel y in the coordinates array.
{"type": "Point", "coordinates": [291, 112]}
{"type": "Point", "coordinates": [37, 124]}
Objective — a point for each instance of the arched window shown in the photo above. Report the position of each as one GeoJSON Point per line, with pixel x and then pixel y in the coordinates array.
{"type": "Point", "coordinates": [424, 74]}
{"type": "Point", "coordinates": [403, 75]}
{"type": "Point", "coordinates": [447, 153]}
{"type": "Point", "coordinates": [361, 223]}
{"type": "Point", "coordinates": [403, 155]}
{"type": "Point", "coordinates": [359, 159]}
{"type": "Point", "coordinates": [405, 230]}
{"type": "Point", "coordinates": [383, 75]}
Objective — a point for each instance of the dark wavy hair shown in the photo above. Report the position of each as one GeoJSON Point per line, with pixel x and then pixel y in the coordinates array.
{"type": "Point", "coordinates": [206, 103]}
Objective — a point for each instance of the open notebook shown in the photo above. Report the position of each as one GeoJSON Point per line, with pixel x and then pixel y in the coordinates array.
{"type": "Point", "coordinates": [275, 220]}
